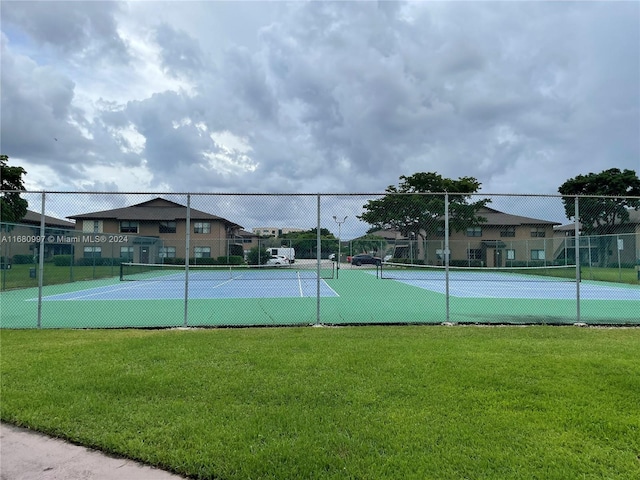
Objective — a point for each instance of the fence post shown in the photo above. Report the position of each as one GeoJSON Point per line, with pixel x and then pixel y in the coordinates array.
{"type": "Point", "coordinates": [446, 252]}
{"type": "Point", "coordinates": [186, 261]}
{"type": "Point", "coordinates": [318, 244]}
{"type": "Point", "coordinates": [576, 233]}
{"type": "Point", "coordinates": [41, 262]}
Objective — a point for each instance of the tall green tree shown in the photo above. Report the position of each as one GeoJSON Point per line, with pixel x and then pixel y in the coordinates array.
{"type": "Point", "coordinates": [608, 197]}
{"type": "Point", "coordinates": [416, 206]}
{"type": "Point", "coordinates": [369, 243]}
{"type": "Point", "coordinates": [258, 256]}
{"type": "Point", "coordinates": [12, 206]}
{"type": "Point", "coordinates": [305, 243]}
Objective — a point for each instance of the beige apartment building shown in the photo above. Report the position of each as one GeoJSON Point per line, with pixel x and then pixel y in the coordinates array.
{"type": "Point", "coordinates": [22, 238]}
{"type": "Point", "coordinates": [502, 240]}
{"type": "Point", "coordinates": [155, 230]}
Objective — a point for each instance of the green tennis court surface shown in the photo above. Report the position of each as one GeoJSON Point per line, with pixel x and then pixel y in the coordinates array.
{"type": "Point", "coordinates": [356, 297]}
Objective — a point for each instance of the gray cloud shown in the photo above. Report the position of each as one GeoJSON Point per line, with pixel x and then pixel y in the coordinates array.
{"type": "Point", "coordinates": [329, 96]}
{"type": "Point", "coordinates": [81, 29]}
{"type": "Point", "coordinates": [181, 54]}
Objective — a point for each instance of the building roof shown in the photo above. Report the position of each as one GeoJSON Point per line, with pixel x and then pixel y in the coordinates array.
{"type": "Point", "coordinates": [634, 217]}
{"type": "Point", "coordinates": [495, 217]}
{"type": "Point", "coordinates": [155, 210]}
{"type": "Point", "coordinates": [34, 218]}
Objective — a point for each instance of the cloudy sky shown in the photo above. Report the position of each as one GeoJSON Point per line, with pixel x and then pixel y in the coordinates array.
{"type": "Point", "coordinates": [214, 96]}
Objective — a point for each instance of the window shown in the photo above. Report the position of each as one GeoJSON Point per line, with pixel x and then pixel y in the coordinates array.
{"type": "Point", "coordinates": [167, 252]}
{"type": "Point", "coordinates": [201, 227]}
{"type": "Point", "coordinates": [92, 226]}
{"type": "Point", "coordinates": [474, 232]}
{"type": "Point", "coordinates": [474, 254]}
{"type": "Point", "coordinates": [92, 252]}
{"type": "Point", "coordinates": [126, 254]}
{"type": "Point", "coordinates": [537, 254]}
{"type": "Point", "coordinates": [128, 227]}
{"type": "Point", "coordinates": [538, 232]}
{"type": "Point", "coordinates": [202, 252]}
{"type": "Point", "coordinates": [508, 232]}
{"type": "Point", "coordinates": [167, 227]}
{"type": "Point", "coordinates": [440, 232]}
{"type": "Point", "coordinates": [511, 254]}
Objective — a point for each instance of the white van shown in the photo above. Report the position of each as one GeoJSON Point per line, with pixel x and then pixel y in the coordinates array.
{"type": "Point", "coordinates": [288, 252]}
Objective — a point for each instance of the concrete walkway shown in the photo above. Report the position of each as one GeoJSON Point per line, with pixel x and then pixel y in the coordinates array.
{"type": "Point", "coordinates": [28, 455]}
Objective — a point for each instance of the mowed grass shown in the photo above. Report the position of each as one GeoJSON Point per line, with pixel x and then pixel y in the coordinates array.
{"type": "Point", "coordinates": [18, 276]}
{"type": "Point", "coordinates": [615, 275]}
{"type": "Point", "coordinates": [335, 403]}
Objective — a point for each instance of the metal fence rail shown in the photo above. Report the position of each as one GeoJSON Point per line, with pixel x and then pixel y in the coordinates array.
{"type": "Point", "coordinates": [61, 264]}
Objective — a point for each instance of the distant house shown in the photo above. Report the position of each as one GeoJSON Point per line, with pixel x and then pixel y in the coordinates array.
{"type": "Point", "coordinates": [152, 231]}
{"type": "Point", "coordinates": [623, 245]}
{"type": "Point", "coordinates": [274, 231]}
{"type": "Point", "coordinates": [21, 238]}
{"type": "Point", "coordinates": [503, 239]}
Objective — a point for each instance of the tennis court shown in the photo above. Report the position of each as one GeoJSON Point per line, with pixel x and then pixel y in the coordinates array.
{"type": "Point", "coordinates": [360, 295]}
{"type": "Point", "coordinates": [543, 283]}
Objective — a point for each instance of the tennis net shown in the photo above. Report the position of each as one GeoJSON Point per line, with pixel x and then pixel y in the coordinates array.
{"type": "Point", "coordinates": [550, 273]}
{"type": "Point", "coordinates": [178, 273]}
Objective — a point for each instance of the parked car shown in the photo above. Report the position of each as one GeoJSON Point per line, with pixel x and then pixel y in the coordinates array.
{"type": "Point", "coordinates": [278, 260]}
{"type": "Point", "coordinates": [365, 259]}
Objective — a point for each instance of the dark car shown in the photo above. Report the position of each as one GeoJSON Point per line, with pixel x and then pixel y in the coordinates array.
{"type": "Point", "coordinates": [364, 259]}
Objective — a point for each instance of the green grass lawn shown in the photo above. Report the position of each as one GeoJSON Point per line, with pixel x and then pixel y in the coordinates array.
{"type": "Point", "coordinates": [367, 402]}
{"type": "Point", "coordinates": [18, 276]}
{"type": "Point", "coordinates": [622, 275]}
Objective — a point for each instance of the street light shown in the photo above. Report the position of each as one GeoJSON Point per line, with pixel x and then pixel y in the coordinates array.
{"type": "Point", "coordinates": [339, 222]}
{"type": "Point", "coordinates": [411, 246]}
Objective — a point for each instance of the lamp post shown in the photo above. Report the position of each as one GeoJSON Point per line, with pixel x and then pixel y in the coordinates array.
{"type": "Point", "coordinates": [339, 222]}
{"type": "Point", "coordinates": [411, 246]}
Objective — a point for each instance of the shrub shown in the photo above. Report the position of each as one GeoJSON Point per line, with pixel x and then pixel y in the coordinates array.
{"type": "Point", "coordinates": [98, 262]}
{"type": "Point", "coordinates": [466, 263]}
{"type": "Point", "coordinates": [202, 261]}
{"type": "Point", "coordinates": [62, 260]}
{"type": "Point", "coordinates": [231, 260]}
{"type": "Point", "coordinates": [24, 259]}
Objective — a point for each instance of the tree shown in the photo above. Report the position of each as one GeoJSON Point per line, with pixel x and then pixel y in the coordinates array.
{"type": "Point", "coordinates": [416, 206]}
{"type": "Point", "coordinates": [606, 204]}
{"type": "Point", "coordinates": [369, 243]}
{"type": "Point", "coordinates": [258, 256]}
{"type": "Point", "coordinates": [12, 206]}
{"type": "Point", "coordinates": [305, 243]}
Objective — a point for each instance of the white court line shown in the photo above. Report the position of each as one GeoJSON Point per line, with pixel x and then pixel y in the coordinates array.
{"type": "Point", "coordinates": [101, 292]}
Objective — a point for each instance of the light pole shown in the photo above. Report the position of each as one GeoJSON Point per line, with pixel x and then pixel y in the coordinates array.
{"type": "Point", "coordinates": [339, 222]}
{"type": "Point", "coordinates": [411, 245]}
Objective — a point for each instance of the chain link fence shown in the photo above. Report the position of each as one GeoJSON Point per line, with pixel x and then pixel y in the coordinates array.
{"type": "Point", "coordinates": [140, 260]}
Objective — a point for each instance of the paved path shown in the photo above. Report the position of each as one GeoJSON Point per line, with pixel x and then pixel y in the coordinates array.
{"type": "Point", "coordinates": [28, 455]}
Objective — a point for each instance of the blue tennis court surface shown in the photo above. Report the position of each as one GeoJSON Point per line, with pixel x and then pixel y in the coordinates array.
{"type": "Point", "coordinates": [227, 288]}
{"type": "Point", "coordinates": [535, 290]}
{"type": "Point", "coordinates": [544, 289]}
